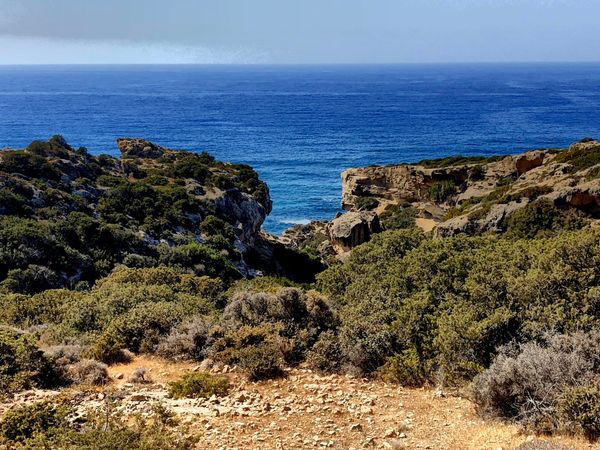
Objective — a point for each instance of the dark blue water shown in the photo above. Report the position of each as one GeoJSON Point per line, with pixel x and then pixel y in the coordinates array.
{"type": "Point", "coordinates": [300, 126]}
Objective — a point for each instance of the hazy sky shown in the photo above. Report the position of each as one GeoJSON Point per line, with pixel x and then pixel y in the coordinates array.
{"type": "Point", "coordinates": [298, 31]}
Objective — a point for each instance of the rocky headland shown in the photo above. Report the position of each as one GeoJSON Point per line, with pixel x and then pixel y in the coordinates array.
{"type": "Point", "coordinates": [470, 195]}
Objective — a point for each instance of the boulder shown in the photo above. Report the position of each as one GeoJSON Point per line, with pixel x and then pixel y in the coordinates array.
{"type": "Point", "coordinates": [529, 160]}
{"type": "Point", "coordinates": [352, 229]}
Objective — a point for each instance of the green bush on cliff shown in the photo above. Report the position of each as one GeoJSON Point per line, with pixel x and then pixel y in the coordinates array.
{"type": "Point", "coordinates": [365, 203]}
{"type": "Point", "coordinates": [579, 157]}
{"type": "Point", "coordinates": [441, 191]}
{"type": "Point", "coordinates": [74, 217]}
{"type": "Point", "coordinates": [396, 217]}
{"type": "Point", "coordinates": [542, 217]}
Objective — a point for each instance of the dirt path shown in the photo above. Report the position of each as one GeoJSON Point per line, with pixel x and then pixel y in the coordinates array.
{"type": "Point", "coordinates": [306, 410]}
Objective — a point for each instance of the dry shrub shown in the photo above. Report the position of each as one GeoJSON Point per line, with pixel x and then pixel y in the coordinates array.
{"type": "Point", "coordinates": [138, 376]}
{"type": "Point", "coordinates": [89, 371]}
{"type": "Point", "coordinates": [64, 355]}
{"type": "Point", "coordinates": [528, 382]}
{"type": "Point", "coordinates": [187, 340]}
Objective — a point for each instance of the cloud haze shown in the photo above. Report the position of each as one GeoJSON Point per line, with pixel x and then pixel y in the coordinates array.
{"type": "Point", "coordinates": [298, 31]}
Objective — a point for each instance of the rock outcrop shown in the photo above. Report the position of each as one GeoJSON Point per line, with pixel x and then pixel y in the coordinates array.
{"type": "Point", "coordinates": [477, 195]}
{"type": "Point", "coordinates": [352, 229]}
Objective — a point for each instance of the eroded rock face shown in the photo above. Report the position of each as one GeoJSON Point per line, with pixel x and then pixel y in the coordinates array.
{"type": "Point", "coordinates": [352, 229]}
{"type": "Point", "coordinates": [483, 192]}
{"type": "Point", "coordinates": [395, 183]}
{"type": "Point", "coordinates": [243, 211]}
{"type": "Point", "coordinates": [529, 160]}
{"type": "Point", "coordinates": [140, 148]}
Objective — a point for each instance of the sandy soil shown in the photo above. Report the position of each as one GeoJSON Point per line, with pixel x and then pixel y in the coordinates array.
{"type": "Point", "coordinates": [307, 410]}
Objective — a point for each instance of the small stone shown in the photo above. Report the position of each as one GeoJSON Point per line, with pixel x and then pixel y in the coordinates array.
{"type": "Point", "coordinates": [356, 427]}
{"type": "Point", "coordinates": [119, 376]}
{"type": "Point", "coordinates": [366, 410]}
{"type": "Point", "coordinates": [390, 433]}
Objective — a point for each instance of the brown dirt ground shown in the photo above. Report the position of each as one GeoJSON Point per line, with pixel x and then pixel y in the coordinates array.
{"type": "Point", "coordinates": [307, 410]}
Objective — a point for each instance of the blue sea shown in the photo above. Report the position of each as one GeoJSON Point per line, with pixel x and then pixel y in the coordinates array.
{"type": "Point", "coordinates": [300, 126]}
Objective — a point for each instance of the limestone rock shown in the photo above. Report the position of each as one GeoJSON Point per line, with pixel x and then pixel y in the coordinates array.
{"type": "Point", "coordinates": [529, 160]}
{"type": "Point", "coordinates": [352, 229]}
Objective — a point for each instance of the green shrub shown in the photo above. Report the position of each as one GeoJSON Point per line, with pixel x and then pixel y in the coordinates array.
{"type": "Point", "coordinates": [213, 226]}
{"type": "Point", "coordinates": [45, 426]}
{"type": "Point", "coordinates": [326, 354]}
{"type": "Point", "coordinates": [256, 350]}
{"type": "Point", "coordinates": [139, 330]}
{"type": "Point", "coordinates": [405, 368]}
{"type": "Point", "coordinates": [365, 203]}
{"type": "Point", "coordinates": [579, 408]}
{"type": "Point", "coordinates": [441, 191]}
{"type": "Point", "coordinates": [23, 364]}
{"type": "Point", "coordinates": [260, 362]}
{"type": "Point", "coordinates": [542, 216]}
{"type": "Point", "coordinates": [199, 385]}
{"type": "Point", "coordinates": [24, 422]}
{"type": "Point", "coordinates": [579, 157]}
{"type": "Point", "coordinates": [458, 160]}
{"type": "Point", "coordinates": [396, 217]}
{"type": "Point", "coordinates": [300, 317]}
{"type": "Point", "coordinates": [455, 300]}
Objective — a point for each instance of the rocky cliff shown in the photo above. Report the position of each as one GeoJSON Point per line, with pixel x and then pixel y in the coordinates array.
{"type": "Point", "coordinates": [476, 195]}
{"type": "Point", "coordinates": [69, 217]}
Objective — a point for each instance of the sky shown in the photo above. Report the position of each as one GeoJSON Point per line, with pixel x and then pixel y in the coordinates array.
{"type": "Point", "coordinates": [297, 31]}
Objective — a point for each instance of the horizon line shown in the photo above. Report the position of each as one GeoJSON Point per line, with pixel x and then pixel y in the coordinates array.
{"type": "Point", "coordinates": [303, 63]}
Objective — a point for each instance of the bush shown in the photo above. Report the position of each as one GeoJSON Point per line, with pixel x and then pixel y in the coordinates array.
{"type": "Point", "coordinates": [89, 372]}
{"type": "Point", "coordinates": [299, 317]}
{"type": "Point", "coordinates": [455, 300]}
{"type": "Point", "coordinates": [406, 369]}
{"type": "Point", "coordinates": [199, 385]}
{"type": "Point", "coordinates": [579, 408]}
{"type": "Point", "coordinates": [43, 426]}
{"type": "Point", "coordinates": [23, 364]}
{"type": "Point", "coordinates": [188, 340]}
{"type": "Point", "coordinates": [541, 217]}
{"type": "Point", "coordinates": [441, 191]}
{"type": "Point", "coordinates": [260, 362]}
{"type": "Point", "coordinates": [365, 203]}
{"type": "Point", "coordinates": [326, 355]}
{"type": "Point", "coordinates": [139, 330]}
{"type": "Point", "coordinates": [396, 217]}
{"type": "Point", "coordinates": [532, 383]}
{"type": "Point", "coordinates": [138, 376]}
{"type": "Point", "coordinates": [579, 157]}
{"type": "Point", "coordinates": [24, 422]}
{"type": "Point", "coordinates": [256, 350]}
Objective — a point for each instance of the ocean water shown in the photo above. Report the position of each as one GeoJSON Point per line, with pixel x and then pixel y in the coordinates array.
{"type": "Point", "coordinates": [300, 126]}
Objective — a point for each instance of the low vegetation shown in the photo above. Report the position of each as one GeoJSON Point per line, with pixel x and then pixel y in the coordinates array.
{"type": "Point", "coordinates": [45, 425]}
{"type": "Point", "coordinates": [199, 385]}
{"type": "Point", "coordinates": [85, 283]}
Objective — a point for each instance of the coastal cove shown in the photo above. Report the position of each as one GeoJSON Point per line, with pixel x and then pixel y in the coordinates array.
{"type": "Point", "coordinates": [301, 126]}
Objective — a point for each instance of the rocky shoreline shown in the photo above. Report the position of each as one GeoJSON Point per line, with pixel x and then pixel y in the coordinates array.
{"type": "Point", "coordinates": [456, 195]}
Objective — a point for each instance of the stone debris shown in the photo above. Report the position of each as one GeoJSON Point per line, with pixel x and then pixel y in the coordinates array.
{"type": "Point", "coordinates": [304, 410]}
